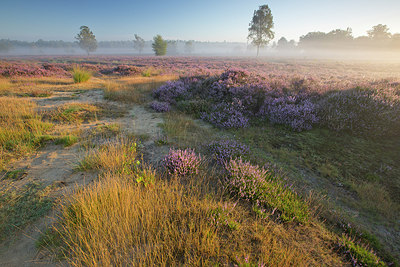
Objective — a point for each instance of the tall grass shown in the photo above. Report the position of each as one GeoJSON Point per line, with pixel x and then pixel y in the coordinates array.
{"type": "Point", "coordinates": [133, 90]}
{"type": "Point", "coordinates": [81, 75]}
{"type": "Point", "coordinates": [21, 128]}
{"type": "Point", "coordinates": [115, 222]}
{"type": "Point", "coordinates": [115, 155]}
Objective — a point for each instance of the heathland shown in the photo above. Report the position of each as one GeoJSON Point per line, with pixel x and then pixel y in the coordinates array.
{"type": "Point", "coordinates": [109, 161]}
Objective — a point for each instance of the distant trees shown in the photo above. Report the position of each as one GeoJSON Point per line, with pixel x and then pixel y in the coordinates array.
{"type": "Point", "coordinates": [159, 46]}
{"type": "Point", "coordinates": [189, 47]}
{"type": "Point", "coordinates": [138, 43]}
{"type": "Point", "coordinates": [172, 47]}
{"type": "Point", "coordinates": [86, 39]}
{"type": "Point", "coordinates": [283, 44]}
{"type": "Point", "coordinates": [379, 32]}
{"type": "Point", "coordinates": [260, 30]}
{"type": "Point", "coordinates": [5, 45]}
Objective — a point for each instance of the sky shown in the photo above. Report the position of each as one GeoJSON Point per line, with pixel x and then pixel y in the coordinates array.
{"type": "Point", "coordinates": [201, 20]}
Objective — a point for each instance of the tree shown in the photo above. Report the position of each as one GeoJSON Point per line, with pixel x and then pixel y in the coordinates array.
{"type": "Point", "coordinates": [86, 39]}
{"type": "Point", "coordinates": [172, 47]}
{"type": "Point", "coordinates": [159, 46]}
{"type": "Point", "coordinates": [379, 32]}
{"type": "Point", "coordinates": [260, 30]}
{"type": "Point", "coordinates": [189, 47]}
{"type": "Point", "coordinates": [138, 43]}
{"type": "Point", "coordinates": [282, 43]}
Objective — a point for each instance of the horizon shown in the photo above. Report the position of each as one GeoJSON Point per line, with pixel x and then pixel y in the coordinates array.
{"type": "Point", "coordinates": [179, 20]}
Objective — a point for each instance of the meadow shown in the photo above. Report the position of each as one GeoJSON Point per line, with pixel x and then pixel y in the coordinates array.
{"type": "Point", "coordinates": [199, 161]}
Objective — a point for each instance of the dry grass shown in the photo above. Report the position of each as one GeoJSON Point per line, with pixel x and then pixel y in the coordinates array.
{"type": "Point", "coordinates": [133, 89]}
{"type": "Point", "coordinates": [115, 222]}
{"type": "Point", "coordinates": [115, 155]}
{"type": "Point", "coordinates": [74, 113]}
{"type": "Point", "coordinates": [21, 128]}
{"type": "Point", "coordinates": [185, 131]}
{"type": "Point", "coordinates": [45, 86]}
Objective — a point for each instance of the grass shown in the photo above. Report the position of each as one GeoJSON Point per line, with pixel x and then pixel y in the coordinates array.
{"type": "Point", "coordinates": [359, 253]}
{"type": "Point", "coordinates": [21, 128]}
{"type": "Point", "coordinates": [185, 132]}
{"type": "Point", "coordinates": [363, 171]}
{"type": "Point", "coordinates": [80, 75]}
{"type": "Point", "coordinates": [115, 155]}
{"type": "Point", "coordinates": [67, 140]}
{"type": "Point", "coordinates": [21, 206]}
{"type": "Point", "coordinates": [133, 89]}
{"type": "Point", "coordinates": [75, 113]}
{"type": "Point", "coordinates": [172, 224]}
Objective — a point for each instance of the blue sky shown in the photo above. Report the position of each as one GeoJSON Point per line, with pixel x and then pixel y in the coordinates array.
{"type": "Point", "coordinates": [204, 20]}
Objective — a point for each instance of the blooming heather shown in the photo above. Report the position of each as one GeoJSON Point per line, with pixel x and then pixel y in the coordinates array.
{"type": "Point", "coordinates": [182, 162]}
{"type": "Point", "coordinates": [160, 106]}
{"type": "Point", "coordinates": [264, 190]}
{"type": "Point", "coordinates": [225, 150]}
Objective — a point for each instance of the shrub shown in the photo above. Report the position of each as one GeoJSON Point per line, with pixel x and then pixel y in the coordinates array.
{"type": "Point", "coordinates": [171, 92]}
{"type": "Point", "coordinates": [362, 111]}
{"type": "Point", "coordinates": [227, 115]}
{"type": "Point", "coordinates": [80, 75]}
{"type": "Point", "coordinates": [294, 111]}
{"type": "Point", "coordinates": [225, 150]}
{"type": "Point", "coordinates": [262, 188]}
{"type": "Point", "coordinates": [160, 106]}
{"type": "Point", "coordinates": [182, 162]}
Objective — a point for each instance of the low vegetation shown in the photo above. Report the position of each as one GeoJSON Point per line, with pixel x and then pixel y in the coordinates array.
{"type": "Point", "coordinates": [21, 206]}
{"type": "Point", "coordinates": [21, 128]}
{"type": "Point", "coordinates": [81, 75]}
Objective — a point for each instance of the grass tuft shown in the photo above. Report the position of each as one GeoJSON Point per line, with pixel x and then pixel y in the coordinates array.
{"type": "Point", "coordinates": [81, 75]}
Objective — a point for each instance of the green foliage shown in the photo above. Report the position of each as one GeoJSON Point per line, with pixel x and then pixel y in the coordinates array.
{"type": "Point", "coordinates": [15, 174]}
{"type": "Point", "coordinates": [159, 46]}
{"type": "Point", "coordinates": [80, 75]}
{"type": "Point", "coordinates": [193, 107]}
{"type": "Point", "coordinates": [87, 40]}
{"type": "Point", "coordinates": [358, 253]}
{"type": "Point", "coordinates": [18, 207]}
{"type": "Point", "coordinates": [67, 140]}
{"type": "Point", "coordinates": [260, 30]}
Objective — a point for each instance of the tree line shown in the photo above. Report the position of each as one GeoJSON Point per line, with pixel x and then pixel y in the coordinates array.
{"type": "Point", "coordinates": [260, 34]}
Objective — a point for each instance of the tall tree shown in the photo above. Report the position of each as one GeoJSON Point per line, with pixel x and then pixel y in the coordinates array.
{"type": "Point", "coordinates": [379, 32]}
{"type": "Point", "coordinates": [189, 47]}
{"type": "Point", "coordinates": [159, 46]}
{"type": "Point", "coordinates": [86, 39]}
{"type": "Point", "coordinates": [260, 30]}
{"type": "Point", "coordinates": [138, 43]}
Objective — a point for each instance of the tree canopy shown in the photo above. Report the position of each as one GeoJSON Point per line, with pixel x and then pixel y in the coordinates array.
{"type": "Point", "coordinates": [138, 43]}
{"type": "Point", "coordinates": [86, 39]}
{"type": "Point", "coordinates": [159, 46]}
{"type": "Point", "coordinates": [260, 30]}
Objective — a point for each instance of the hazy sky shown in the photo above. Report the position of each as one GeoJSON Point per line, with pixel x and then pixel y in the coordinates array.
{"type": "Point", "coordinates": [204, 20]}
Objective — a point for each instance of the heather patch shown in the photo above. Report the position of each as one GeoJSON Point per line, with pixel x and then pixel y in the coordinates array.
{"type": "Point", "coordinates": [224, 150]}
{"type": "Point", "coordinates": [265, 191]}
{"type": "Point", "coordinates": [182, 162]}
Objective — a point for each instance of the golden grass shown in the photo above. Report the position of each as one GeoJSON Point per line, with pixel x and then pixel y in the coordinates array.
{"type": "Point", "coordinates": [185, 131]}
{"type": "Point", "coordinates": [115, 155]}
{"type": "Point", "coordinates": [133, 89]}
{"type": "Point", "coordinates": [115, 222]}
{"type": "Point", "coordinates": [75, 113]}
{"type": "Point", "coordinates": [21, 128]}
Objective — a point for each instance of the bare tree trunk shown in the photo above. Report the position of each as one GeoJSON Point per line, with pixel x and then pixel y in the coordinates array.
{"type": "Point", "coordinates": [258, 49]}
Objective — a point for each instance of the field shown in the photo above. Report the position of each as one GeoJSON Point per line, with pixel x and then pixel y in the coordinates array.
{"type": "Point", "coordinates": [199, 161]}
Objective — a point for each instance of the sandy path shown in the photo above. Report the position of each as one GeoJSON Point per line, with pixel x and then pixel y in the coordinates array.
{"type": "Point", "coordinates": [54, 165]}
